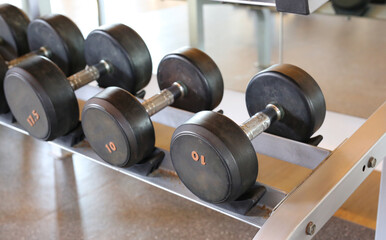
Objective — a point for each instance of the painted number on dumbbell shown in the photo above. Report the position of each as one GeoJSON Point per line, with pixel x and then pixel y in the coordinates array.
{"type": "Point", "coordinates": [111, 147]}
{"type": "Point", "coordinates": [33, 118]}
{"type": "Point", "coordinates": [197, 157]}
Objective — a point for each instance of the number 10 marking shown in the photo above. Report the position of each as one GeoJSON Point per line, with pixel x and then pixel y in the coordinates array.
{"type": "Point", "coordinates": [111, 147]}
{"type": "Point", "coordinates": [196, 157]}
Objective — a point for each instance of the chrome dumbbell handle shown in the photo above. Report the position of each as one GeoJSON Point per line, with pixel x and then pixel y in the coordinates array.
{"type": "Point", "coordinates": [89, 74]}
{"type": "Point", "coordinates": [259, 122]}
{"type": "Point", "coordinates": [165, 98]}
{"type": "Point", "coordinates": [43, 51]}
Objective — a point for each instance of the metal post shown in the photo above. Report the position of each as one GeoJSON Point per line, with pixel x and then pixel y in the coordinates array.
{"type": "Point", "coordinates": [36, 8]}
{"type": "Point", "coordinates": [264, 37]}
{"type": "Point", "coordinates": [101, 12]}
{"type": "Point", "coordinates": [281, 38]}
{"type": "Point", "coordinates": [380, 232]}
{"type": "Point", "coordinates": [196, 23]}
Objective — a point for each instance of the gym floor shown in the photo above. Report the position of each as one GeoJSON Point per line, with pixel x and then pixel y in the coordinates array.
{"type": "Point", "coordinates": [44, 197]}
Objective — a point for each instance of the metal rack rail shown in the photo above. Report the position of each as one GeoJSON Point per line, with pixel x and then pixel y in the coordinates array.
{"type": "Point", "coordinates": [335, 176]}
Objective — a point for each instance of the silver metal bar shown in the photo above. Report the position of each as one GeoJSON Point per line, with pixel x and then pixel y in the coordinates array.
{"type": "Point", "coordinates": [281, 36]}
{"type": "Point", "coordinates": [101, 12]}
{"type": "Point", "coordinates": [260, 122]}
{"type": "Point", "coordinates": [158, 102]}
{"type": "Point", "coordinates": [380, 232]}
{"type": "Point", "coordinates": [264, 37]}
{"type": "Point", "coordinates": [327, 188]}
{"type": "Point", "coordinates": [165, 98]}
{"type": "Point", "coordinates": [43, 51]}
{"type": "Point", "coordinates": [256, 125]}
{"type": "Point", "coordinates": [89, 74]}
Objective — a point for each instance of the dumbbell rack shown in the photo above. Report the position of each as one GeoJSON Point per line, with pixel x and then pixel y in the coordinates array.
{"type": "Point", "coordinates": [278, 215]}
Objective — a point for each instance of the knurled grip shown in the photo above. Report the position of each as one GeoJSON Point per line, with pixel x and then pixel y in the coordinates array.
{"type": "Point", "coordinates": [89, 74]}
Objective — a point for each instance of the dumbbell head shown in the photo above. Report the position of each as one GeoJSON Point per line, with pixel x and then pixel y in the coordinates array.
{"type": "Point", "coordinates": [116, 117]}
{"type": "Point", "coordinates": [350, 4]}
{"type": "Point", "coordinates": [13, 28]}
{"type": "Point", "coordinates": [41, 99]}
{"type": "Point", "coordinates": [198, 72]}
{"type": "Point", "coordinates": [3, 69]}
{"type": "Point", "coordinates": [62, 37]}
{"type": "Point", "coordinates": [117, 127]}
{"type": "Point", "coordinates": [296, 92]}
{"type": "Point", "coordinates": [126, 51]}
{"type": "Point", "coordinates": [214, 157]}
{"type": "Point", "coordinates": [41, 80]}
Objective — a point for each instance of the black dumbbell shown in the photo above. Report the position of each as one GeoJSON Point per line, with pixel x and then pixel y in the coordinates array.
{"type": "Point", "coordinates": [350, 7]}
{"type": "Point", "coordinates": [118, 126]}
{"type": "Point", "coordinates": [214, 157]}
{"type": "Point", "coordinates": [42, 99]}
{"type": "Point", "coordinates": [56, 37]}
{"type": "Point", "coordinates": [13, 32]}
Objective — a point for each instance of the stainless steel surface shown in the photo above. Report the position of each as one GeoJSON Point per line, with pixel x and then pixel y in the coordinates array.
{"type": "Point", "coordinates": [158, 102]}
{"type": "Point", "coordinates": [43, 51]}
{"type": "Point", "coordinates": [321, 194]}
{"type": "Point", "coordinates": [380, 233]}
{"type": "Point", "coordinates": [257, 124]}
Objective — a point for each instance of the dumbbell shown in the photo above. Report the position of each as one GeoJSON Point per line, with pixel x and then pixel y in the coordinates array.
{"type": "Point", "coordinates": [350, 6]}
{"type": "Point", "coordinates": [214, 156]}
{"type": "Point", "coordinates": [56, 37]}
{"type": "Point", "coordinates": [118, 126]}
{"type": "Point", "coordinates": [42, 99]}
{"type": "Point", "coordinates": [13, 32]}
